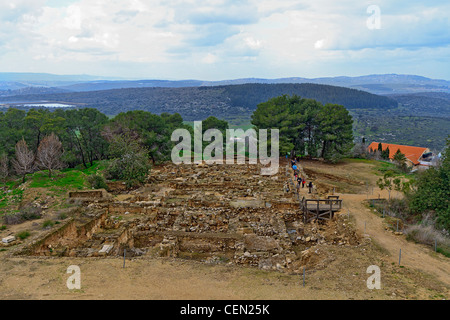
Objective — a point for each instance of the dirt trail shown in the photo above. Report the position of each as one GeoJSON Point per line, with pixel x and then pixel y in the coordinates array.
{"type": "Point", "coordinates": [413, 255]}
{"type": "Point", "coordinates": [419, 257]}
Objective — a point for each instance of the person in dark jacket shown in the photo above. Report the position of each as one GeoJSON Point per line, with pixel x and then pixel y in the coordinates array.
{"type": "Point", "coordinates": [310, 186]}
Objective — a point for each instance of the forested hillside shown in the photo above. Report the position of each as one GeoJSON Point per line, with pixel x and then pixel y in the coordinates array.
{"type": "Point", "coordinates": [198, 103]}
{"type": "Point", "coordinates": [421, 119]}
{"type": "Point", "coordinates": [250, 95]}
{"type": "Point", "coordinates": [420, 131]}
{"type": "Point", "coordinates": [431, 104]}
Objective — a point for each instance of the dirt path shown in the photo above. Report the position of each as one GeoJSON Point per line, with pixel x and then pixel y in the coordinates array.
{"type": "Point", "coordinates": [413, 255]}
{"type": "Point", "coordinates": [416, 256]}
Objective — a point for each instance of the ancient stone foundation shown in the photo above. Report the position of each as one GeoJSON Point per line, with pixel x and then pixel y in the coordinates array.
{"type": "Point", "coordinates": [216, 214]}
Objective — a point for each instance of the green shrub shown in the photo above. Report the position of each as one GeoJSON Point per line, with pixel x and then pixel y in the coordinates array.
{"type": "Point", "coordinates": [23, 235]}
{"type": "Point", "coordinates": [130, 161]}
{"type": "Point", "coordinates": [132, 168]}
{"type": "Point", "coordinates": [97, 181]}
{"type": "Point", "coordinates": [69, 158]}
{"type": "Point", "coordinates": [433, 191]}
{"type": "Point", "coordinates": [445, 252]}
{"type": "Point", "coordinates": [3, 228]}
{"type": "Point", "coordinates": [48, 224]}
{"type": "Point", "coordinates": [399, 208]}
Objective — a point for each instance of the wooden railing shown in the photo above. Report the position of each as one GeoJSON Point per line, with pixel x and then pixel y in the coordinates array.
{"type": "Point", "coordinates": [320, 209]}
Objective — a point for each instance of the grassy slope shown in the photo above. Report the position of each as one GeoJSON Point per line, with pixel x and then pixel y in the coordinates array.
{"type": "Point", "coordinates": [12, 193]}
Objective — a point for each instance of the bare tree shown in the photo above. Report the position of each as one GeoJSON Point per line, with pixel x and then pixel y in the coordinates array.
{"type": "Point", "coordinates": [49, 153]}
{"type": "Point", "coordinates": [25, 160]}
{"type": "Point", "coordinates": [4, 168]}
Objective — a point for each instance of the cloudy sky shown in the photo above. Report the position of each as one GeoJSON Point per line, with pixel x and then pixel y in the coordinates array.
{"type": "Point", "coordinates": [225, 39]}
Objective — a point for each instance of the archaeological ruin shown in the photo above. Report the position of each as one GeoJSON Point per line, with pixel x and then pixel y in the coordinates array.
{"type": "Point", "coordinates": [228, 214]}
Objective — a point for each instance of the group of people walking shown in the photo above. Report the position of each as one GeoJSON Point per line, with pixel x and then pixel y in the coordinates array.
{"type": "Point", "coordinates": [300, 181]}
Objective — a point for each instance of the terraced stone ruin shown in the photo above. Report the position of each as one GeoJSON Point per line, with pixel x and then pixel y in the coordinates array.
{"type": "Point", "coordinates": [216, 214]}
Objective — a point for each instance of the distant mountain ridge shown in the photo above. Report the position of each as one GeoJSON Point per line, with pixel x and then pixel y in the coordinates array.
{"type": "Point", "coordinates": [21, 80]}
{"type": "Point", "coordinates": [376, 83]}
{"type": "Point", "coordinates": [44, 77]}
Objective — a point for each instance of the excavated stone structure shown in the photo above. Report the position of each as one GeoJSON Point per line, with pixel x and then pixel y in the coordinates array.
{"type": "Point", "coordinates": [213, 213]}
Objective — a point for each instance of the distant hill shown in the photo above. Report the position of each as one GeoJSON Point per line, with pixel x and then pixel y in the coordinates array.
{"type": "Point", "coordinates": [45, 77]}
{"type": "Point", "coordinates": [18, 80]}
{"type": "Point", "coordinates": [108, 85]}
{"type": "Point", "coordinates": [429, 104]}
{"type": "Point", "coordinates": [377, 84]}
{"type": "Point", "coordinates": [197, 103]}
{"type": "Point", "coordinates": [31, 91]}
{"type": "Point", "coordinates": [422, 119]}
{"type": "Point", "coordinates": [6, 86]}
{"type": "Point", "coordinates": [250, 95]}
{"type": "Point", "coordinates": [437, 95]}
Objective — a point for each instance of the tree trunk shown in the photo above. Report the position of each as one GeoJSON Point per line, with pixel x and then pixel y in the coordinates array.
{"type": "Point", "coordinates": [91, 159]}
{"type": "Point", "coordinates": [81, 149]}
{"type": "Point", "coordinates": [38, 139]}
{"type": "Point", "coordinates": [324, 145]}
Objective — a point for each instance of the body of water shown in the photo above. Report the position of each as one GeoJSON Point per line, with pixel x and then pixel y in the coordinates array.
{"type": "Point", "coordinates": [47, 105]}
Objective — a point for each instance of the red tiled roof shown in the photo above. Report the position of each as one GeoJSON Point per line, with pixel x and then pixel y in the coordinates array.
{"type": "Point", "coordinates": [412, 153]}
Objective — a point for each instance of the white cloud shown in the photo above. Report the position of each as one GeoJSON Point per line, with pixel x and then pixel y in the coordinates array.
{"type": "Point", "coordinates": [319, 44]}
{"type": "Point", "coordinates": [210, 59]}
{"type": "Point", "coordinates": [73, 19]}
{"type": "Point", "coordinates": [248, 37]}
{"type": "Point", "coordinates": [253, 43]}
